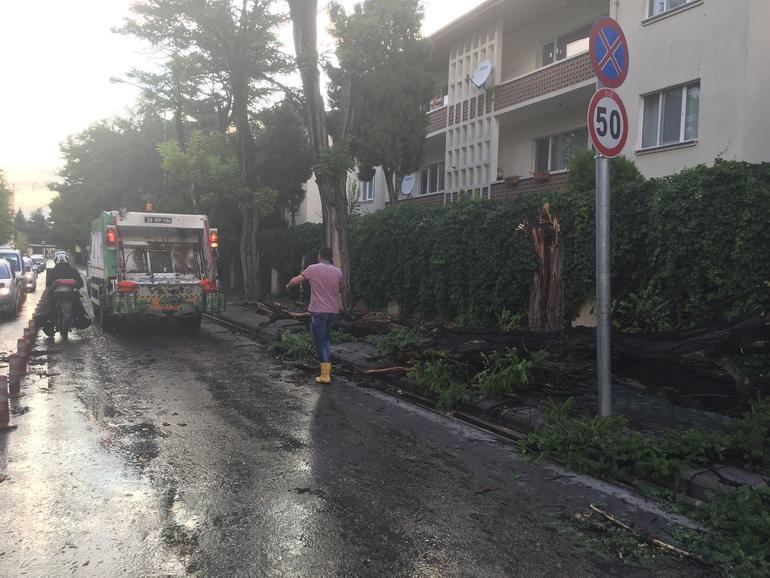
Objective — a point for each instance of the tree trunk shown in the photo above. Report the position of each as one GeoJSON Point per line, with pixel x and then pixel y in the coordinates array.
{"type": "Point", "coordinates": [546, 298]}
{"type": "Point", "coordinates": [252, 289]}
{"type": "Point", "coordinates": [247, 148]}
{"type": "Point", "coordinates": [332, 186]}
{"type": "Point", "coordinates": [691, 362]}
{"type": "Point", "coordinates": [179, 124]}
{"type": "Point", "coordinates": [335, 216]}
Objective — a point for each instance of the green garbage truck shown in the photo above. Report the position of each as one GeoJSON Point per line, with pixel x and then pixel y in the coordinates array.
{"type": "Point", "coordinates": [153, 265]}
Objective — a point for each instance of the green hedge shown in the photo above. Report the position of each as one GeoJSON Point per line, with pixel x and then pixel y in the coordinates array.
{"type": "Point", "coordinates": [287, 249]}
{"type": "Point", "coordinates": [686, 250]}
{"type": "Point", "coordinates": [467, 262]}
{"type": "Point", "coordinates": [709, 250]}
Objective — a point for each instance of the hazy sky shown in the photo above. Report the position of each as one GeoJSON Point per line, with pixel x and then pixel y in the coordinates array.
{"type": "Point", "coordinates": [57, 58]}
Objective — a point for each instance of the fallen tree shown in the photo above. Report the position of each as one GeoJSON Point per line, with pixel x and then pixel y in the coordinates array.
{"type": "Point", "coordinates": [702, 361]}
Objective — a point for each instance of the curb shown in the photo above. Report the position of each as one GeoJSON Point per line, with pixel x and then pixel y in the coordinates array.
{"type": "Point", "coordinates": [523, 420]}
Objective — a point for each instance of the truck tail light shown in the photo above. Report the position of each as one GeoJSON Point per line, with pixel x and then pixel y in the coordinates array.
{"type": "Point", "coordinates": [213, 238]}
{"type": "Point", "coordinates": [125, 286]}
{"type": "Point", "coordinates": [208, 286]}
{"type": "Point", "coordinates": [112, 237]}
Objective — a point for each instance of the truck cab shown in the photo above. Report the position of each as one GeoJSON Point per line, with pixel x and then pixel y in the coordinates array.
{"type": "Point", "coordinates": [153, 265]}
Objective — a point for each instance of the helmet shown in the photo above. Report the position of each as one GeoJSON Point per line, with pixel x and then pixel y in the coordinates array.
{"type": "Point", "coordinates": [60, 257]}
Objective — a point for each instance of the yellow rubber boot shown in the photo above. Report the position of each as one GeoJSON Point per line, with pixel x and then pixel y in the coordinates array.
{"type": "Point", "coordinates": [326, 374]}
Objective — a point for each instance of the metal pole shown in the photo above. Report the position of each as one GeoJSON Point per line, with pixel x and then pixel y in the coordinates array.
{"type": "Point", "coordinates": [603, 327]}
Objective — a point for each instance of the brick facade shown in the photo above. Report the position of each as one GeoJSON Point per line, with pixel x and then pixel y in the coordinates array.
{"type": "Point", "coordinates": [504, 191]}
{"type": "Point", "coordinates": [437, 119]}
{"type": "Point", "coordinates": [544, 81]}
{"type": "Point", "coordinates": [434, 199]}
{"type": "Point", "coordinates": [499, 191]}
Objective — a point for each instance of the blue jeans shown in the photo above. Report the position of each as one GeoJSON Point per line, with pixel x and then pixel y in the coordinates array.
{"type": "Point", "coordinates": [321, 327]}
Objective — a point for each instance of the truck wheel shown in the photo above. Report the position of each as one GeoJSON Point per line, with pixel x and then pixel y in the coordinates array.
{"type": "Point", "coordinates": [104, 316]}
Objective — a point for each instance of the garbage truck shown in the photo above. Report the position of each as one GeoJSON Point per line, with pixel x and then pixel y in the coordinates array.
{"type": "Point", "coordinates": [153, 265]}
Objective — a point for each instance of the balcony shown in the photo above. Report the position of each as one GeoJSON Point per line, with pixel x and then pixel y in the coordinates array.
{"type": "Point", "coordinates": [504, 191]}
{"type": "Point", "coordinates": [544, 81]}
{"type": "Point", "coordinates": [437, 119]}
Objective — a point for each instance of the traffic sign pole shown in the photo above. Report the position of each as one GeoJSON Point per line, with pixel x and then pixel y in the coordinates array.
{"type": "Point", "coordinates": [603, 289]}
{"type": "Point", "coordinates": [608, 128]}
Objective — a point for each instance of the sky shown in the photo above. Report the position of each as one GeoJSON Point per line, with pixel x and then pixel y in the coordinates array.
{"type": "Point", "coordinates": [57, 58]}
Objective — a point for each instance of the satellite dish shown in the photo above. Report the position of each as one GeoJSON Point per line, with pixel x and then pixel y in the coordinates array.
{"type": "Point", "coordinates": [407, 185]}
{"type": "Point", "coordinates": [482, 74]}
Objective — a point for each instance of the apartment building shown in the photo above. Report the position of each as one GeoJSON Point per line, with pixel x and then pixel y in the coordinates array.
{"type": "Point", "coordinates": [697, 90]}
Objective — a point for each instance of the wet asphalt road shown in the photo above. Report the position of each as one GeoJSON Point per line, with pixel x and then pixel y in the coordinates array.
{"type": "Point", "coordinates": [150, 452]}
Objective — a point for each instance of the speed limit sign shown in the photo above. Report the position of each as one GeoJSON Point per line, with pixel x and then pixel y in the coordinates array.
{"type": "Point", "coordinates": [607, 122]}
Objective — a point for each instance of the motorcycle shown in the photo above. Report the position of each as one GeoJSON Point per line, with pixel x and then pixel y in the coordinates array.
{"type": "Point", "coordinates": [64, 293]}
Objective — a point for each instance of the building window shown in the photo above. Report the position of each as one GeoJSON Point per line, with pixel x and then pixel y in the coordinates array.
{"type": "Point", "coordinates": [432, 179]}
{"type": "Point", "coordinates": [553, 153]}
{"type": "Point", "coordinates": [671, 116]}
{"type": "Point", "coordinates": [367, 190]}
{"type": "Point", "coordinates": [566, 46]}
{"type": "Point", "coordinates": [660, 6]}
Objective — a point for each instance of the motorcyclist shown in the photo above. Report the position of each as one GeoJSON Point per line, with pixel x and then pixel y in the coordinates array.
{"type": "Point", "coordinates": [61, 270]}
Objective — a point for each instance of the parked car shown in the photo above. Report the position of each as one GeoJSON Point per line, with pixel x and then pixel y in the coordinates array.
{"type": "Point", "coordinates": [39, 261]}
{"type": "Point", "coordinates": [30, 275]}
{"type": "Point", "coordinates": [11, 290]}
{"type": "Point", "coordinates": [14, 258]}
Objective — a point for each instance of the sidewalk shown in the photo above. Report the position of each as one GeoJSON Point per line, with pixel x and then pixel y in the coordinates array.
{"type": "Point", "coordinates": [647, 413]}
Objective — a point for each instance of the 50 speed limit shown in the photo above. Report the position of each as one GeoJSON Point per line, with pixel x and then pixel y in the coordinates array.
{"type": "Point", "coordinates": [607, 122]}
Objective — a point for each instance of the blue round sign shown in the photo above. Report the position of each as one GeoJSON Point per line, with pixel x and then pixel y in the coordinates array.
{"type": "Point", "coordinates": [609, 52]}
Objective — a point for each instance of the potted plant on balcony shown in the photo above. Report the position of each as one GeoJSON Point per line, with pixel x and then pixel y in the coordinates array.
{"type": "Point", "coordinates": [512, 180]}
{"type": "Point", "coordinates": [542, 176]}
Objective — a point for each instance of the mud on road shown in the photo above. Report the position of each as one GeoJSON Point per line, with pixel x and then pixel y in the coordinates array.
{"type": "Point", "coordinates": [150, 452]}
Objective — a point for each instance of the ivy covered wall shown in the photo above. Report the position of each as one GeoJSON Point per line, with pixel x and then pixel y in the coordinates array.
{"type": "Point", "coordinates": [688, 249]}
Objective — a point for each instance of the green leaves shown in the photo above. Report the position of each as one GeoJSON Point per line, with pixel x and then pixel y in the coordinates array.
{"type": "Point", "coordinates": [294, 345]}
{"type": "Point", "coordinates": [289, 249]}
{"type": "Point", "coordinates": [739, 532]}
{"type": "Point", "coordinates": [386, 61]}
{"type": "Point", "coordinates": [507, 372]}
{"type": "Point", "coordinates": [109, 165]}
{"type": "Point", "coordinates": [392, 344]}
{"type": "Point", "coordinates": [444, 376]}
{"type": "Point", "coordinates": [6, 218]}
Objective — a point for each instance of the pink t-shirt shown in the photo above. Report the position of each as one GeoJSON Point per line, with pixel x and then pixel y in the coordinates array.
{"type": "Point", "coordinates": [324, 279]}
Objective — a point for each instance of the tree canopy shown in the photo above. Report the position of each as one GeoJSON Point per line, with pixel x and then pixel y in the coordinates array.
{"type": "Point", "coordinates": [380, 46]}
{"type": "Point", "coordinates": [6, 211]}
{"type": "Point", "coordinates": [238, 42]}
{"type": "Point", "coordinates": [110, 165]}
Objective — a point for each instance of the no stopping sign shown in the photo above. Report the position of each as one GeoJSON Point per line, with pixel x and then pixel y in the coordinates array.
{"type": "Point", "coordinates": [607, 122]}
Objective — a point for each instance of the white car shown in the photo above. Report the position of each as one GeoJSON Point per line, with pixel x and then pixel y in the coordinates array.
{"type": "Point", "coordinates": [30, 275]}
{"type": "Point", "coordinates": [11, 290]}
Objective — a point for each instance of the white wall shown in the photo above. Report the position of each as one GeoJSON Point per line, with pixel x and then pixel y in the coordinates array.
{"type": "Point", "coordinates": [716, 41]}
{"type": "Point", "coordinates": [310, 209]}
{"type": "Point", "coordinates": [757, 93]}
{"type": "Point", "coordinates": [380, 194]}
{"type": "Point", "coordinates": [522, 44]}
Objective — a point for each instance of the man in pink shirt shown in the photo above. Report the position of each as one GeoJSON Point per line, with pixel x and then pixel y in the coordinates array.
{"type": "Point", "coordinates": [325, 299]}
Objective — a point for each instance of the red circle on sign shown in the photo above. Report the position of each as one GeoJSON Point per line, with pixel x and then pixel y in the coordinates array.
{"type": "Point", "coordinates": [616, 146]}
{"type": "Point", "coordinates": [596, 38]}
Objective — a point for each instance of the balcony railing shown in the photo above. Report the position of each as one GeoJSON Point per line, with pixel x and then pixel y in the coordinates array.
{"type": "Point", "coordinates": [503, 191]}
{"type": "Point", "coordinates": [543, 81]}
{"type": "Point", "coordinates": [429, 199]}
{"type": "Point", "coordinates": [437, 119]}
